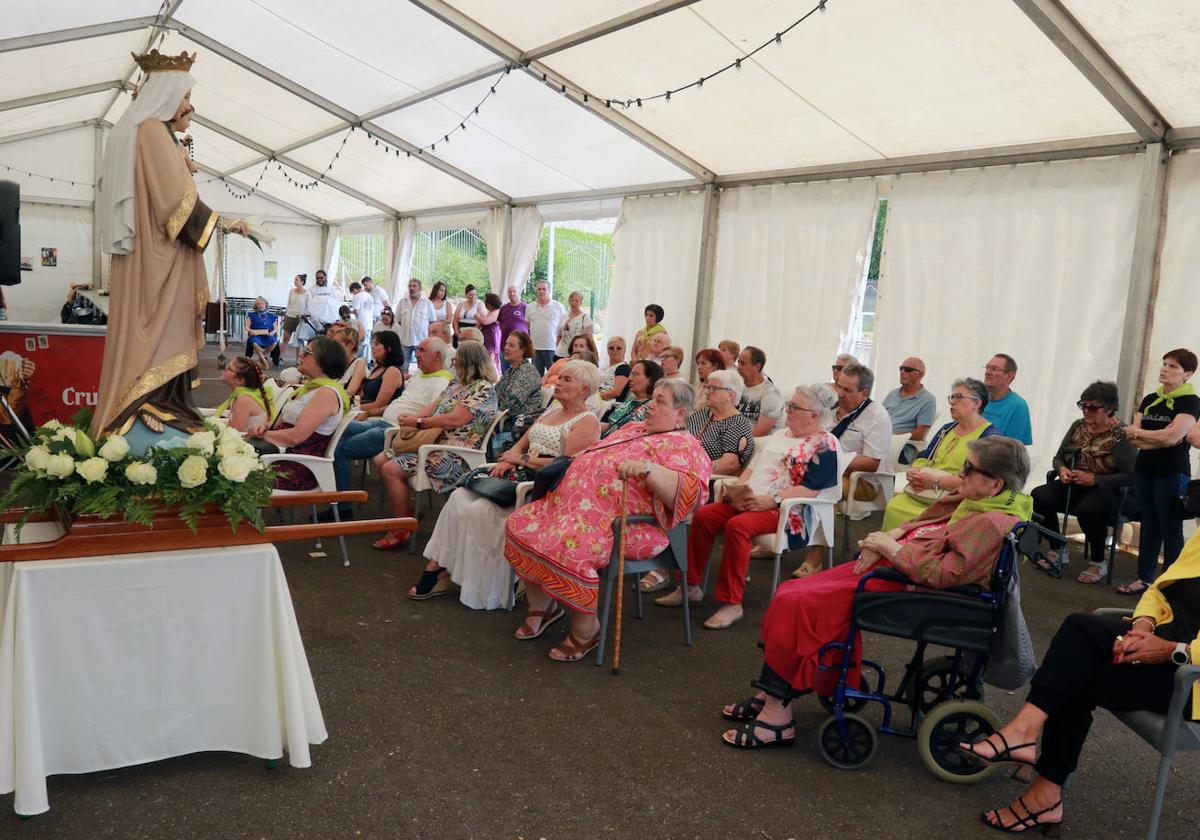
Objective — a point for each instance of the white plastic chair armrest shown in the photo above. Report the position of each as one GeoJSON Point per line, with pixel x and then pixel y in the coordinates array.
{"type": "Point", "coordinates": [311, 460]}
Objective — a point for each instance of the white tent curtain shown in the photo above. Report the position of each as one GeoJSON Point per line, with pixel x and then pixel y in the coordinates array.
{"type": "Point", "coordinates": [657, 248]}
{"type": "Point", "coordinates": [296, 250]}
{"type": "Point", "coordinates": [512, 235]}
{"type": "Point", "coordinates": [401, 242]}
{"type": "Point", "coordinates": [1029, 260]}
{"type": "Point", "coordinates": [802, 248]}
{"type": "Point", "coordinates": [329, 260]}
{"type": "Point", "coordinates": [1174, 310]}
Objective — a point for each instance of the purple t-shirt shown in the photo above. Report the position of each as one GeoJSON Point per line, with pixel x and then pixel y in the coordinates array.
{"type": "Point", "coordinates": [512, 317]}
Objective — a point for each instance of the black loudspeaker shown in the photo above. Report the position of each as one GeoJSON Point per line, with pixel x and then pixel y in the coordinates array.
{"type": "Point", "coordinates": [10, 233]}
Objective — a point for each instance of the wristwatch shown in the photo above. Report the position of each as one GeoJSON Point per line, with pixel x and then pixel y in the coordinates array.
{"type": "Point", "coordinates": [420, 422]}
{"type": "Point", "coordinates": [524, 458]}
{"type": "Point", "coordinates": [1182, 654]}
{"type": "Point", "coordinates": [646, 469]}
{"type": "Point", "coordinates": [778, 500]}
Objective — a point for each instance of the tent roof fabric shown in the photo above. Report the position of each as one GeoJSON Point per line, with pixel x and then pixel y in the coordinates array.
{"type": "Point", "coordinates": [279, 83]}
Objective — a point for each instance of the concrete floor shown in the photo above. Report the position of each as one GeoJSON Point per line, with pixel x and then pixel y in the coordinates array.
{"type": "Point", "coordinates": [441, 725]}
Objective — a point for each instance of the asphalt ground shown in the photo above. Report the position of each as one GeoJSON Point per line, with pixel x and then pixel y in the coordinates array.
{"type": "Point", "coordinates": [441, 725]}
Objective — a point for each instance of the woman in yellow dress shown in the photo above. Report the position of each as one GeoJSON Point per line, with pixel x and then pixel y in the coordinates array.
{"type": "Point", "coordinates": [936, 472]}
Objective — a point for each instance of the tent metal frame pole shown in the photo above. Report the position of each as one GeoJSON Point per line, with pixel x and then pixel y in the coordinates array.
{"type": "Point", "coordinates": [98, 275]}
{"type": "Point", "coordinates": [607, 27]}
{"type": "Point", "coordinates": [294, 164]}
{"type": "Point", "coordinates": [489, 40]}
{"type": "Point", "coordinates": [329, 107]}
{"type": "Point", "coordinates": [706, 277]}
{"type": "Point", "coordinates": [78, 33]}
{"type": "Point", "coordinates": [1057, 24]}
{"type": "Point", "coordinates": [45, 132]}
{"type": "Point", "coordinates": [47, 201]}
{"type": "Point", "coordinates": [1143, 276]}
{"type": "Point", "coordinates": [242, 185]}
{"type": "Point", "coordinates": [57, 95]}
{"type": "Point", "coordinates": [1184, 138]}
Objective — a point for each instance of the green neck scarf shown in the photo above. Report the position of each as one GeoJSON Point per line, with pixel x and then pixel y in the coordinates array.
{"type": "Point", "coordinates": [443, 374]}
{"type": "Point", "coordinates": [1168, 397]}
{"type": "Point", "coordinates": [322, 382]}
{"type": "Point", "coordinates": [243, 391]}
{"type": "Point", "coordinates": [1007, 501]}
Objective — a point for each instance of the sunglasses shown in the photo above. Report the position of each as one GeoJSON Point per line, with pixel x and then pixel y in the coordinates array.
{"type": "Point", "coordinates": [838, 368]}
{"type": "Point", "coordinates": [968, 468]}
{"type": "Point", "coordinates": [904, 369]}
{"type": "Point", "coordinates": [1090, 406]}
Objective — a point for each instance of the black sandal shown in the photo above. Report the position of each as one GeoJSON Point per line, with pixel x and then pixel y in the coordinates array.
{"type": "Point", "coordinates": [744, 710]}
{"type": "Point", "coordinates": [746, 739]}
{"type": "Point", "coordinates": [431, 585]}
{"type": "Point", "coordinates": [1026, 823]}
{"type": "Point", "coordinates": [1004, 756]}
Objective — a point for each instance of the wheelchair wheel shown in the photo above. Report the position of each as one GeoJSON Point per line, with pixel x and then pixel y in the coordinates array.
{"type": "Point", "coordinates": [853, 704]}
{"type": "Point", "coordinates": [934, 680]}
{"type": "Point", "coordinates": [947, 725]}
{"type": "Point", "coordinates": [858, 748]}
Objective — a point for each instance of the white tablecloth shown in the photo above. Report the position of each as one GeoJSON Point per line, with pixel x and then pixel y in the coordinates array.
{"type": "Point", "coordinates": [119, 660]}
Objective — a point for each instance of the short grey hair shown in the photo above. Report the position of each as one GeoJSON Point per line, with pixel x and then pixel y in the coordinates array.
{"type": "Point", "coordinates": [823, 398]}
{"type": "Point", "coordinates": [1003, 458]}
{"type": "Point", "coordinates": [866, 376]}
{"type": "Point", "coordinates": [584, 372]}
{"type": "Point", "coordinates": [440, 327]}
{"type": "Point", "coordinates": [844, 359]}
{"type": "Point", "coordinates": [469, 334]}
{"type": "Point", "coordinates": [683, 395]}
{"type": "Point", "coordinates": [976, 388]}
{"type": "Point", "coordinates": [730, 379]}
{"type": "Point", "coordinates": [441, 348]}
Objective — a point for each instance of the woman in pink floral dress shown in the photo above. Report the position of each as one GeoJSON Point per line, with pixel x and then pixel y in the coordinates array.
{"type": "Point", "coordinates": [557, 543]}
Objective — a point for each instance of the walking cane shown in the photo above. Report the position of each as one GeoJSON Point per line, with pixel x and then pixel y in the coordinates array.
{"type": "Point", "coordinates": [616, 666]}
{"type": "Point", "coordinates": [1071, 453]}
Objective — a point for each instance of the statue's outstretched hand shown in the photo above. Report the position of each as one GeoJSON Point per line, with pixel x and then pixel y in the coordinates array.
{"type": "Point", "coordinates": [239, 226]}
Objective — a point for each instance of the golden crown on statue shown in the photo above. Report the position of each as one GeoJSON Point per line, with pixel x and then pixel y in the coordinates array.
{"type": "Point", "coordinates": [156, 62]}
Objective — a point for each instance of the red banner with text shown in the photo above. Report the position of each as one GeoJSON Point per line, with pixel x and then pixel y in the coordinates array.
{"type": "Point", "coordinates": [51, 375]}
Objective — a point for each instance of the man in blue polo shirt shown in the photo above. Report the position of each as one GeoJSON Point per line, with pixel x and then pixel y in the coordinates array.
{"type": "Point", "coordinates": [911, 407]}
{"type": "Point", "coordinates": [1006, 409]}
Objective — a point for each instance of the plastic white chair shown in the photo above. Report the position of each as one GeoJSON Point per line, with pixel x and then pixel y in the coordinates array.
{"type": "Point", "coordinates": [322, 469]}
{"type": "Point", "coordinates": [884, 482]}
{"type": "Point", "coordinates": [823, 530]}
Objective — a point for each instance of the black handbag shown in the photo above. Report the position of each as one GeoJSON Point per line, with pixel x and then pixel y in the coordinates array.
{"type": "Point", "coordinates": [548, 477]}
{"type": "Point", "coordinates": [1191, 499]}
{"type": "Point", "coordinates": [498, 491]}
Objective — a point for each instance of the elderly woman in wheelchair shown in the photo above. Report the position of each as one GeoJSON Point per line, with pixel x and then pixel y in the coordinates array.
{"type": "Point", "coordinates": [1120, 664]}
{"type": "Point", "coordinates": [953, 543]}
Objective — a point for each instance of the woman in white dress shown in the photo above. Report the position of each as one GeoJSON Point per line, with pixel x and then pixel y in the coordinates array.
{"type": "Point", "coordinates": [467, 545]}
{"type": "Point", "coordinates": [469, 312]}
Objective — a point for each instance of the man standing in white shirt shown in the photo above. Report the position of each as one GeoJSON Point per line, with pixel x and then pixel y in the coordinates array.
{"type": "Point", "coordinates": [376, 291]}
{"type": "Point", "coordinates": [362, 307]}
{"type": "Point", "coordinates": [413, 315]}
{"type": "Point", "coordinates": [324, 301]}
{"type": "Point", "coordinates": [544, 316]}
{"type": "Point", "coordinates": [364, 438]}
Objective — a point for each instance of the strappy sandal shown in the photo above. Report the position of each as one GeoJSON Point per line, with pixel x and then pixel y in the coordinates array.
{"type": "Point", "coordinates": [1135, 587]}
{"type": "Point", "coordinates": [1028, 822]}
{"type": "Point", "coordinates": [548, 616]}
{"type": "Point", "coordinates": [1094, 573]}
{"type": "Point", "coordinates": [745, 738]}
{"type": "Point", "coordinates": [572, 649]}
{"type": "Point", "coordinates": [806, 569]}
{"type": "Point", "coordinates": [431, 585]}
{"type": "Point", "coordinates": [654, 581]}
{"type": "Point", "coordinates": [745, 710]}
{"type": "Point", "coordinates": [391, 540]}
{"type": "Point", "coordinates": [1004, 756]}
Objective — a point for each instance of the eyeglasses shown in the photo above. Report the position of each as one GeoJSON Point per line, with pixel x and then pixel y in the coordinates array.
{"type": "Point", "coordinates": [708, 389]}
{"type": "Point", "coordinates": [791, 406]}
{"type": "Point", "coordinates": [968, 468]}
{"type": "Point", "coordinates": [305, 352]}
{"type": "Point", "coordinates": [904, 369]}
{"type": "Point", "coordinates": [1090, 406]}
{"type": "Point", "coordinates": [953, 398]}
{"type": "Point", "coordinates": [994, 369]}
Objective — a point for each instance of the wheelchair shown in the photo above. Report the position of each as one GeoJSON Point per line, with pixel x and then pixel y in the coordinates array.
{"type": "Point", "coordinates": [943, 693]}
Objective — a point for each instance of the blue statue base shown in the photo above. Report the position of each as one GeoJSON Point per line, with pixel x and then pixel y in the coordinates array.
{"type": "Point", "coordinates": [141, 438]}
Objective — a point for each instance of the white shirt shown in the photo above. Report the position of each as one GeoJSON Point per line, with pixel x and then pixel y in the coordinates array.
{"type": "Point", "coordinates": [419, 392]}
{"type": "Point", "coordinates": [413, 319]}
{"type": "Point", "coordinates": [293, 408]}
{"type": "Point", "coordinates": [380, 296]}
{"type": "Point", "coordinates": [543, 323]}
{"type": "Point", "coordinates": [323, 304]}
{"type": "Point", "coordinates": [363, 306]}
{"type": "Point", "coordinates": [581, 324]}
{"type": "Point", "coordinates": [762, 400]}
{"type": "Point", "coordinates": [869, 434]}
{"type": "Point", "coordinates": [298, 302]}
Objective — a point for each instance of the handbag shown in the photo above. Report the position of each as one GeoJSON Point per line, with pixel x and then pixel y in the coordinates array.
{"type": "Point", "coordinates": [408, 440]}
{"type": "Point", "coordinates": [1012, 661]}
{"type": "Point", "coordinates": [498, 491]}
{"type": "Point", "coordinates": [546, 479]}
{"type": "Point", "coordinates": [1190, 499]}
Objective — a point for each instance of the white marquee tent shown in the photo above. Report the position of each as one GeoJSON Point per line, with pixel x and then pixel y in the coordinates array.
{"type": "Point", "coordinates": [1034, 152]}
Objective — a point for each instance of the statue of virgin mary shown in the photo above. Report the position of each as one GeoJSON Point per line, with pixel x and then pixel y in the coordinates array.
{"type": "Point", "coordinates": [156, 228]}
